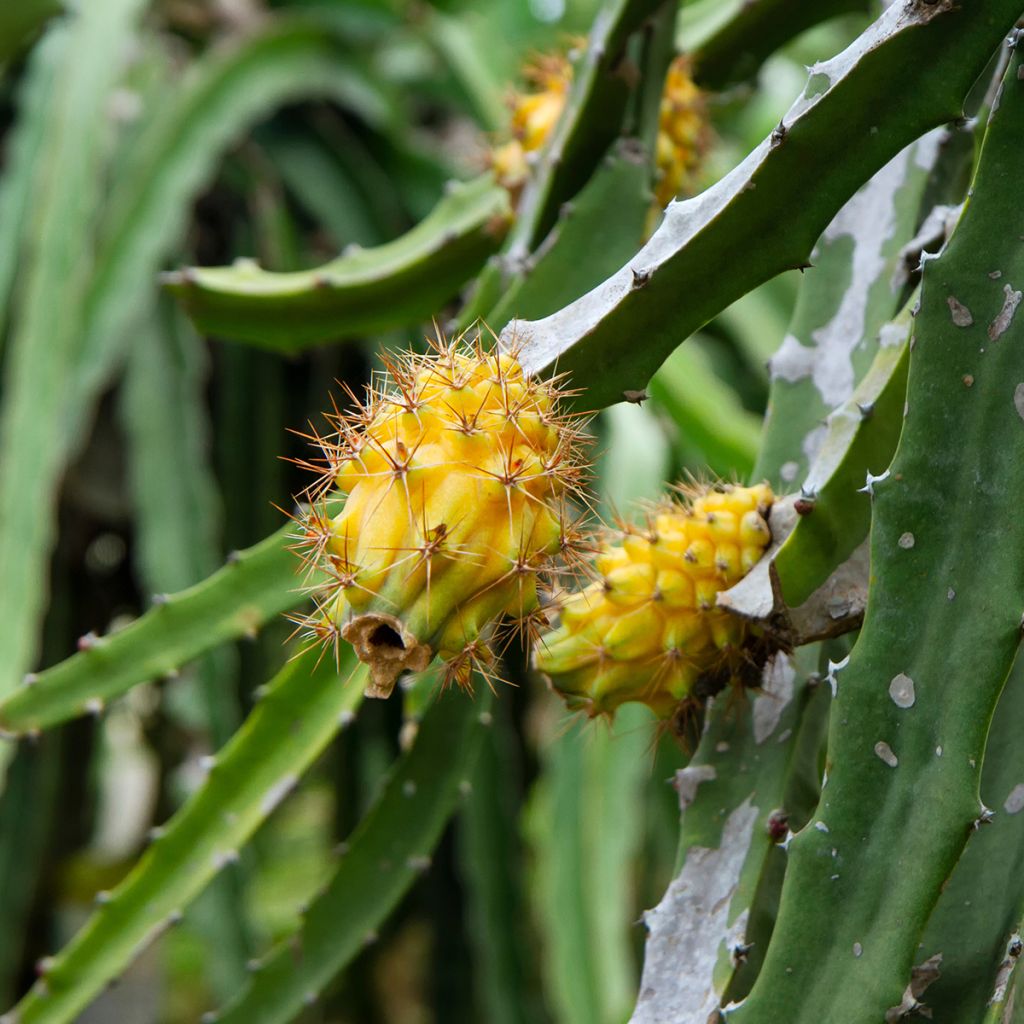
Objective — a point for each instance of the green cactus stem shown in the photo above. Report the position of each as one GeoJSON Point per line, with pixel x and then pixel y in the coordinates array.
{"type": "Point", "coordinates": [719, 245]}
{"type": "Point", "coordinates": [911, 710]}
{"type": "Point", "coordinates": [388, 851]}
{"type": "Point", "coordinates": [361, 292]}
{"type": "Point", "coordinates": [301, 711]}
{"type": "Point", "coordinates": [254, 586]}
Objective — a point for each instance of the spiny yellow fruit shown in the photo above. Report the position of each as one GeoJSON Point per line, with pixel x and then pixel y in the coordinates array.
{"type": "Point", "coordinates": [683, 132]}
{"type": "Point", "coordinates": [534, 115]}
{"type": "Point", "coordinates": [647, 629]}
{"type": "Point", "coordinates": [455, 471]}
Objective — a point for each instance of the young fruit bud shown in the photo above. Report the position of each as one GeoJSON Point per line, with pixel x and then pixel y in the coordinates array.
{"type": "Point", "coordinates": [455, 472]}
{"type": "Point", "coordinates": [648, 629]}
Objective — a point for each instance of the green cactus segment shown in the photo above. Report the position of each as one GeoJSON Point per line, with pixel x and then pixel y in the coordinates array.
{"type": "Point", "coordinates": [589, 124]}
{"type": "Point", "coordinates": [51, 388]}
{"type": "Point", "coordinates": [732, 797]}
{"type": "Point", "coordinates": [594, 234]}
{"type": "Point", "coordinates": [730, 41]}
{"type": "Point", "coordinates": [912, 708]}
{"type": "Point", "coordinates": [490, 859]}
{"type": "Point", "coordinates": [976, 947]}
{"type": "Point", "coordinates": [711, 249]}
{"type": "Point", "coordinates": [582, 885]}
{"type": "Point", "coordinates": [389, 849]}
{"type": "Point", "coordinates": [856, 284]}
{"type": "Point", "coordinates": [27, 140]}
{"type": "Point", "coordinates": [861, 437]}
{"type": "Point", "coordinates": [67, 184]}
{"type": "Point", "coordinates": [302, 710]}
{"type": "Point", "coordinates": [254, 586]}
{"type": "Point", "coordinates": [361, 292]}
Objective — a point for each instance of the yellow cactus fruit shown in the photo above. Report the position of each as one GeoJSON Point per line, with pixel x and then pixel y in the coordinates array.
{"type": "Point", "coordinates": [534, 115]}
{"type": "Point", "coordinates": [683, 133]}
{"type": "Point", "coordinates": [454, 473]}
{"type": "Point", "coordinates": [648, 629]}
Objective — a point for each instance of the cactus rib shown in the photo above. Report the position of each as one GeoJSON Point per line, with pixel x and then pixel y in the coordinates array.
{"type": "Point", "coordinates": [238, 599]}
{"type": "Point", "coordinates": [288, 729]}
{"type": "Point", "coordinates": [929, 55]}
{"type": "Point", "coordinates": [364, 291]}
{"type": "Point", "coordinates": [912, 708]}
{"type": "Point", "coordinates": [389, 849]}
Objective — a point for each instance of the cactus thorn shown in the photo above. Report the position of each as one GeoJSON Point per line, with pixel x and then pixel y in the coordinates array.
{"type": "Point", "coordinates": [778, 135]}
{"type": "Point", "coordinates": [866, 409]}
{"type": "Point", "coordinates": [870, 481]}
{"type": "Point", "coordinates": [985, 817]}
{"type": "Point", "coordinates": [30, 679]}
{"type": "Point", "coordinates": [93, 706]}
{"type": "Point", "coordinates": [640, 277]}
{"type": "Point", "coordinates": [740, 952]}
{"type": "Point", "coordinates": [233, 558]}
{"type": "Point", "coordinates": [88, 641]}
{"type": "Point", "coordinates": [637, 397]}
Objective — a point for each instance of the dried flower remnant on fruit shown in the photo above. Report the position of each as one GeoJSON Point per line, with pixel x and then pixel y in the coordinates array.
{"type": "Point", "coordinates": [648, 628]}
{"type": "Point", "coordinates": [455, 471]}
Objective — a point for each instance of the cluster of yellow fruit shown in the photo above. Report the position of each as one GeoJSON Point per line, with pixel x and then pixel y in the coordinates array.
{"type": "Point", "coordinates": [442, 510]}
{"type": "Point", "coordinates": [455, 471]}
{"type": "Point", "coordinates": [648, 629]}
{"type": "Point", "coordinates": [683, 132]}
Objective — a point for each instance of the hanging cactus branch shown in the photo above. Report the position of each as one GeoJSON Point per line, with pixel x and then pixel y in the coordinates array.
{"type": "Point", "coordinates": [712, 249]}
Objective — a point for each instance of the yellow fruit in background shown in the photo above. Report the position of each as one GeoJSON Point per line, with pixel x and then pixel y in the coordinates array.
{"type": "Point", "coordinates": [455, 470]}
{"type": "Point", "coordinates": [535, 113]}
{"type": "Point", "coordinates": [648, 629]}
{"type": "Point", "coordinates": [683, 131]}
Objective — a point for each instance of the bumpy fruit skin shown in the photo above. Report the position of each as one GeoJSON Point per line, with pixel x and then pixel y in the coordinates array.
{"type": "Point", "coordinates": [534, 115]}
{"type": "Point", "coordinates": [647, 629]}
{"type": "Point", "coordinates": [455, 472]}
{"type": "Point", "coordinates": [683, 133]}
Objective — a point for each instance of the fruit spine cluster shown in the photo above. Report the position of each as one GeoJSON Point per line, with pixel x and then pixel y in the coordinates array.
{"type": "Point", "coordinates": [648, 629]}
{"type": "Point", "coordinates": [455, 471]}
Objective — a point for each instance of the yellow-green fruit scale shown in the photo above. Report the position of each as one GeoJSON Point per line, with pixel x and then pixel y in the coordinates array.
{"type": "Point", "coordinates": [648, 628]}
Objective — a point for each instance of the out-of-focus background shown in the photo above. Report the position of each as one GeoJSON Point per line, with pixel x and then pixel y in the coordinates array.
{"type": "Point", "coordinates": [197, 132]}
